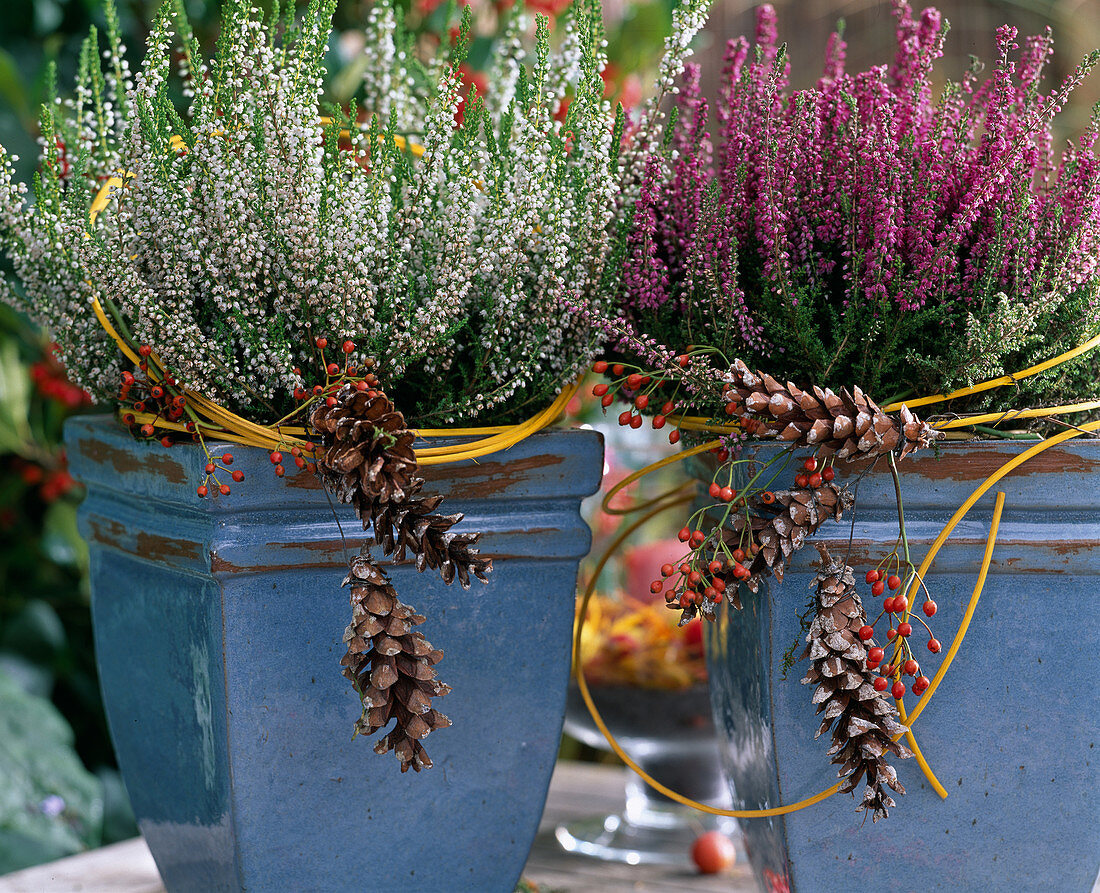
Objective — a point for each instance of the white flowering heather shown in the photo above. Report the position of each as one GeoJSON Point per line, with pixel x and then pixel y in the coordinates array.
{"type": "Point", "coordinates": [248, 226]}
{"type": "Point", "coordinates": [42, 237]}
{"type": "Point", "coordinates": [394, 80]}
{"type": "Point", "coordinates": [688, 18]}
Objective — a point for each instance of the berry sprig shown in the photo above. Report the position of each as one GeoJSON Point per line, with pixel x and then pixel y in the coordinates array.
{"type": "Point", "coordinates": [731, 552]}
{"type": "Point", "coordinates": [336, 375]}
{"type": "Point", "coordinates": [640, 391]}
{"type": "Point", "coordinates": [652, 392]}
{"type": "Point", "coordinates": [151, 397]}
{"type": "Point", "coordinates": [897, 574]}
{"type": "Point", "coordinates": [149, 393]}
{"type": "Point", "coordinates": [895, 611]}
{"type": "Point", "coordinates": [212, 467]}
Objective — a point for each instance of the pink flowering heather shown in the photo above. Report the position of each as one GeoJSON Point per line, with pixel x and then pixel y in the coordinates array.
{"type": "Point", "coordinates": [872, 230]}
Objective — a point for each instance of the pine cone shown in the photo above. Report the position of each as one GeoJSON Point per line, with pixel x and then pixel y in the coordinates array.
{"type": "Point", "coordinates": [864, 721]}
{"type": "Point", "coordinates": [390, 665]}
{"type": "Point", "coordinates": [369, 461]}
{"type": "Point", "coordinates": [410, 526]}
{"type": "Point", "coordinates": [849, 425]}
{"type": "Point", "coordinates": [368, 454]}
{"type": "Point", "coordinates": [780, 529]}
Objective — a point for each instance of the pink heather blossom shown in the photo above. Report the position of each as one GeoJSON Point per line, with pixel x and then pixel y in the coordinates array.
{"type": "Point", "coordinates": [874, 192]}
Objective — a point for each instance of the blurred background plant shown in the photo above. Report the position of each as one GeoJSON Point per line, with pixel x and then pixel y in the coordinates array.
{"type": "Point", "coordinates": [61, 791]}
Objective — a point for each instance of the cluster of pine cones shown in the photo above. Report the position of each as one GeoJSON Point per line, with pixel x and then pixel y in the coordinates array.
{"type": "Point", "coordinates": [366, 458]}
{"type": "Point", "coordinates": [771, 527]}
{"type": "Point", "coordinates": [845, 425]}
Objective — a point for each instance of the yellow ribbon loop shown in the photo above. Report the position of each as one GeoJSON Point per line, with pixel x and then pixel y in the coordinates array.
{"type": "Point", "coordinates": [219, 422]}
{"type": "Point", "coordinates": [964, 625]}
{"type": "Point", "coordinates": [678, 500]}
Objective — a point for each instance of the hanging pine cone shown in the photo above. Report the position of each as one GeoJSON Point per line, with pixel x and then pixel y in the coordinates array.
{"type": "Point", "coordinates": [368, 460]}
{"type": "Point", "coordinates": [390, 665]}
{"type": "Point", "coordinates": [849, 425]}
{"type": "Point", "coordinates": [780, 529]}
{"type": "Point", "coordinates": [366, 457]}
{"type": "Point", "coordinates": [864, 721]}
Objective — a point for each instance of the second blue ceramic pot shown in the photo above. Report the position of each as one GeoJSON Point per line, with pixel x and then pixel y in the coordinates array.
{"type": "Point", "coordinates": [1013, 732]}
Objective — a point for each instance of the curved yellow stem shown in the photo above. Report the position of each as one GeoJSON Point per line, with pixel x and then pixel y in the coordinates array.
{"type": "Point", "coordinates": [990, 542]}
{"type": "Point", "coordinates": [964, 625]}
{"type": "Point", "coordinates": [1094, 341]}
{"type": "Point", "coordinates": [1013, 414]}
{"type": "Point", "coordinates": [578, 670]}
{"type": "Point", "coordinates": [649, 469]}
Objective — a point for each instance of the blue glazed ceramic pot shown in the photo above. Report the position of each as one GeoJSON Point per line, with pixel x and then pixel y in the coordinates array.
{"type": "Point", "coordinates": [218, 629]}
{"type": "Point", "coordinates": [1012, 733]}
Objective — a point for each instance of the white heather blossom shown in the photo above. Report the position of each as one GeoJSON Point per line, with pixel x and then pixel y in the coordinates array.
{"type": "Point", "coordinates": [247, 226]}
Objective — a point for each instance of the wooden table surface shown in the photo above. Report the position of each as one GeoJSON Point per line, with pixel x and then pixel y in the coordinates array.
{"type": "Point", "coordinates": [578, 790]}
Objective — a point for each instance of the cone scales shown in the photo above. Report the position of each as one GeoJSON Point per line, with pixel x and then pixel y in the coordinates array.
{"type": "Point", "coordinates": [390, 664]}
{"type": "Point", "coordinates": [864, 721]}
{"type": "Point", "coordinates": [849, 425]}
{"type": "Point", "coordinates": [780, 529]}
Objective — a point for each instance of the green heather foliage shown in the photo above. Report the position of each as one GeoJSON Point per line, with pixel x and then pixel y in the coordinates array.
{"type": "Point", "coordinates": [266, 229]}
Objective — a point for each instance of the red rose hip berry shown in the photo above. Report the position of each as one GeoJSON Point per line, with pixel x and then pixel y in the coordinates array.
{"type": "Point", "coordinates": [713, 853]}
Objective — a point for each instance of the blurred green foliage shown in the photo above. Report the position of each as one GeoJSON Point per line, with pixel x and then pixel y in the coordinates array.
{"type": "Point", "coordinates": [51, 717]}
{"type": "Point", "coordinates": [50, 805]}
{"type": "Point", "coordinates": [35, 33]}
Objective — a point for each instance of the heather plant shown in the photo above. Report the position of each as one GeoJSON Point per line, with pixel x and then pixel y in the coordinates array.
{"type": "Point", "coordinates": [860, 238]}
{"type": "Point", "coordinates": [431, 231]}
{"type": "Point", "coordinates": [874, 230]}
